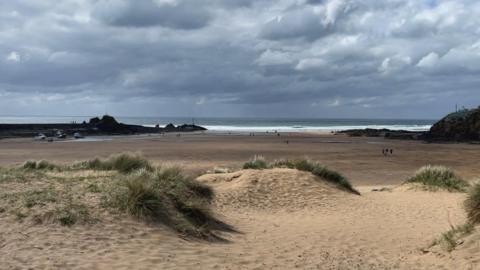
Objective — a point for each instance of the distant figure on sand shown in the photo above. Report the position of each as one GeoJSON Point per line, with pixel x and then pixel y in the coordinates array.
{"type": "Point", "coordinates": [387, 151]}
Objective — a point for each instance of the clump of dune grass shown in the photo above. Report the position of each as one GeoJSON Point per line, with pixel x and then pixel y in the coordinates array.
{"type": "Point", "coordinates": [283, 163]}
{"type": "Point", "coordinates": [166, 196]}
{"type": "Point", "coordinates": [30, 165]}
{"type": "Point", "coordinates": [439, 177]}
{"type": "Point", "coordinates": [71, 213]}
{"type": "Point", "coordinates": [306, 165]}
{"type": "Point", "coordinates": [124, 163]}
{"type": "Point", "coordinates": [325, 173]}
{"type": "Point", "coordinates": [40, 165]}
{"type": "Point", "coordinates": [472, 204]}
{"type": "Point", "coordinates": [43, 196]}
{"type": "Point", "coordinates": [450, 240]}
{"type": "Point", "coordinates": [158, 195]}
{"type": "Point", "coordinates": [18, 175]}
{"type": "Point", "coordinates": [256, 163]}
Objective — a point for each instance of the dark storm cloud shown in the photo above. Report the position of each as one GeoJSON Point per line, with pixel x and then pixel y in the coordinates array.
{"type": "Point", "coordinates": [336, 58]}
{"type": "Point", "coordinates": [174, 14]}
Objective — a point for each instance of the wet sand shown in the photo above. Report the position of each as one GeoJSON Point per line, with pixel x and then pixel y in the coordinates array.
{"type": "Point", "coordinates": [360, 159]}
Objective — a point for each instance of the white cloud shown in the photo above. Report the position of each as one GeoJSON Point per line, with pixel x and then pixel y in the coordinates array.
{"type": "Point", "coordinates": [311, 63]}
{"type": "Point", "coordinates": [13, 57]}
{"type": "Point", "coordinates": [201, 101]}
{"type": "Point", "coordinates": [394, 64]}
{"type": "Point", "coordinates": [429, 60]}
{"type": "Point", "coordinates": [272, 57]}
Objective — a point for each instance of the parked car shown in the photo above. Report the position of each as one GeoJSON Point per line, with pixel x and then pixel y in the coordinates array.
{"type": "Point", "coordinates": [40, 137]}
{"type": "Point", "coordinates": [61, 135]}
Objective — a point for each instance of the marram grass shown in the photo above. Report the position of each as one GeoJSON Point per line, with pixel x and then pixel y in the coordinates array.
{"type": "Point", "coordinates": [439, 177]}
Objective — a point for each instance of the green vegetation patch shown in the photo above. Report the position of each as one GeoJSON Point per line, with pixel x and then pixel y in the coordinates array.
{"type": "Point", "coordinates": [71, 213]}
{"type": "Point", "coordinates": [450, 240]}
{"type": "Point", "coordinates": [40, 165]}
{"type": "Point", "coordinates": [40, 197]}
{"type": "Point", "coordinates": [124, 163]}
{"type": "Point", "coordinates": [8, 175]}
{"type": "Point", "coordinates": [472, 204]}
{"type": "Point", "coordinates": [439, 177]}
{"type": "Point", "coordinates": [73, 194]}
{"type": "Point", "coordinates": [256, 163]}
{"type": "Point", "coordinates": [166, 196]}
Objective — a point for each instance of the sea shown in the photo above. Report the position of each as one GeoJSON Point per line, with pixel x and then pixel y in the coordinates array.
{"type": "Point", "coordinates": [238, 124]}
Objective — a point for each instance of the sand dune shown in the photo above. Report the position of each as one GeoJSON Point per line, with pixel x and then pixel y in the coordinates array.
{"type": "Point", "coordinates": [285, 219]}
{"type": "Point", "coordinates": [272, 190]}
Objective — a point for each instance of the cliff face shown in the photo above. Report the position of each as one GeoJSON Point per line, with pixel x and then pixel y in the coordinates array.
{"type": "Point", "coordinates": [459, 126]}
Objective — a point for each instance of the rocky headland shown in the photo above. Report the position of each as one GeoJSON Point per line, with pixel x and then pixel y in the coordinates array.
{"type": "Point", "coordinates": [107, 125]}
{"type": "Point", "coordinates": [460, 126]}
{"type": "Point", "coordinates": [463, 125]}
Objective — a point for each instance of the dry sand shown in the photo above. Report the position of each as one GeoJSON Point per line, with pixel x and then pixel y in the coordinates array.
{"type": "Point", "coordinates": [285, 219]}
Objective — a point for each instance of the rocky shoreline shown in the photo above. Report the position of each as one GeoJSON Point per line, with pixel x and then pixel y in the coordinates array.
{"type": "Point", "coordinates": [459, 126]}
{"type": "Point", "coordinates": [386, 133]}
{"type": "Point", "coordinates": [106, 125]}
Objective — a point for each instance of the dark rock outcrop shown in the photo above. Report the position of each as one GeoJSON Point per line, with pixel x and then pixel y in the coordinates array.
{"type": "Point", "coordinates": [94, 121]}
{"type": "Point", "coordinates": [386, 133]}
{"type": "Point", "coordinates": [107, 125]}
{"type": "Point", "coordinates": [170, 127]}
{"type": "Point", "coordinates": [463, 125]}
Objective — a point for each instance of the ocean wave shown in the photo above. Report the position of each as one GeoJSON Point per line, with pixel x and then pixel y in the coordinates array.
{"type": "Point", "coordinates": [313, 128]}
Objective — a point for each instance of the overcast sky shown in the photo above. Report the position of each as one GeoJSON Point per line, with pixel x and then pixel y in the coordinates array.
{"type": "Point", "coordinates": [265, 58]}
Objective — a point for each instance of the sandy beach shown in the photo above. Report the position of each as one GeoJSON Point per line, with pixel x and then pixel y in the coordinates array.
{"type": "Point", "coordinates": [360, 159]}
{"type": "Point", "coordinates": [283, 218]}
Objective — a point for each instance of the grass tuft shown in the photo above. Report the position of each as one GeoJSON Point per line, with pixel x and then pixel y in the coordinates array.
{"type": "Point", "coordinates": [40, 165]}
{"type": "Point", "coordinates": [283, 163]}
{"type": "Point", "coordinates": [166, 196]}
{"type": "Point", "coordinates": [325, 173]}
{"type": "Point", "coordinates": [124, 163]}
{"type": "Point", "coordinates": [30, 165]}
{"type": "Point", "coordinates": [257, 163]}
{"type": "Point", "coordinates": [472, 204]}
{"type": "Point", "coordinates": [334, 177]}
{"type": "Point", "coordinates": [439, 177]}
{"type": "Point", "coordinates": [143, 200]}
{"type": "Point", "coordinates": [71, 214]}
{"type": "Point", "coordinates": [450, 239]}
{"type": "Point", "coordinates": [32, 198]}
{"type": "Point", "coordinates": [305, 165]}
